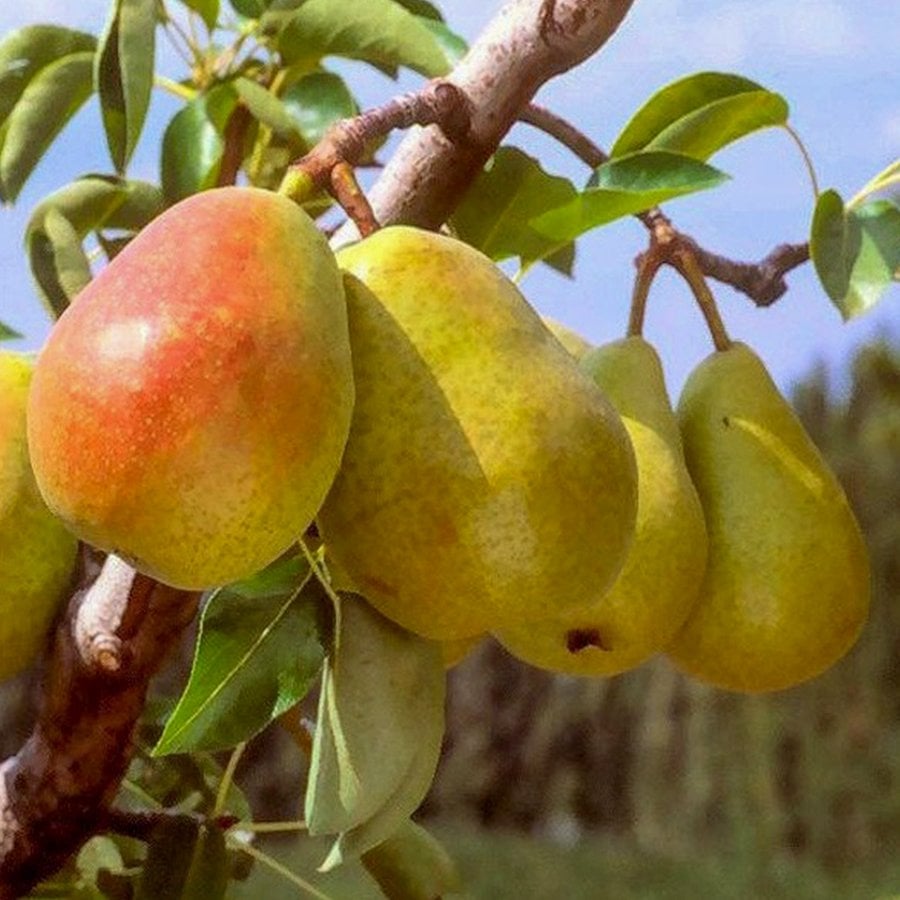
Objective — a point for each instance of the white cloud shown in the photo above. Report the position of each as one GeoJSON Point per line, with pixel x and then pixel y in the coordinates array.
{"type": "Point", "coordinates": [729, 35]}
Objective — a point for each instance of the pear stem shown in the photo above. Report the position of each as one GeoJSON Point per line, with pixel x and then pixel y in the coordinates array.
{"type": "Point", "coordinates": [687, 265]}
{"type": "Point", "coordinates": [648, 266]}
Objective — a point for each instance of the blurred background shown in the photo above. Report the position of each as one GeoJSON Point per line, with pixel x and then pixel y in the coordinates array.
{"type": "Point", "coordinates": [650, 785]}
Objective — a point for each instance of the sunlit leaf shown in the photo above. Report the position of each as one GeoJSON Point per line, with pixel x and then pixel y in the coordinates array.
{"type": "Point", "coordinates": [888, 179]}
{"type": "Point", "coordinates": [258, 651]}
{"type": "Point", "coordinates": [700, 114]}
{"type": "Point", "coordinates": [422, 8]}
{"type": "Point", "coordinates": [265, 107]}
{"type": "Point", "coordinates": [453, 46]}
{"type": "Point", "coordinates": [49, 101]}
{"type": "Point", "coordinates": [378, 31]}
{"type": "Point", "coordinates": [317, 101]}
{"type": "Point", "coordinates": [381, 687]}
{"type": "Point", "coordinates": [626, 186]}
{"type": "Point", "coordinates": [856, 252]}
{"type": "Point", "coordinates": [24, 52]}
{"type": "Point", "coordinates": [123, 74]}
{"type": "Point", "coordinates": [193, 145]}
{"type": "Point", "coordinates": [58, 262]}
{"type": "Point", "coordinates": [495, 212]}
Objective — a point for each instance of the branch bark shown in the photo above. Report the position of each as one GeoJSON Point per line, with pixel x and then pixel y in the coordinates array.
{"type": "Point", "coordinates": [56, 792]}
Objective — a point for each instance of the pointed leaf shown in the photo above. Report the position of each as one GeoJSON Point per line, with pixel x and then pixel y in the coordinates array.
{"type": "Point", "coordinates": [627, 186]}
{"type": "Point", "coordinates": [124, 74]}
{"type": "Point", "coordinates": [193, 144]}
{"type": "Point", "coordinates": [317, 101]}
{"type": "Point", "coordinates": [58, 262]}
{"type": "Point", "coordinates": [495, 214]}
{"type": "Point", "coordinates": [856, 252]}
{"type": "Point", "coordinates": [700, 114]}
{"type": "Point", "coordinates": [453, 46]}
{"type": "Point", "coordinates": [94, 201]}
{"type": "Point", "coordinates": [258, 651]}
{"type": "Point", "coordinates": [887, 179]}
{"type": "Point", "coordinates": [378, 31]}
{"type": "Point", "coordinates": [412, 865]}
{"type": "Point", "coordinates": [24, 52]}
{"type": "Point", "coordinates": [208, 10]}
{"type": "Point", "coordinates": [52, 97]}
{"type": "Point", "coordinates": [265, 107]}
{"type": "Point", "coordinates": [7, 333]}
{"type": "Point", "coordinates": [382, 687]}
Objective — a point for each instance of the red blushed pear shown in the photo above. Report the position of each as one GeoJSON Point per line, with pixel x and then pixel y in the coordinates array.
{"type": "Point", "coordinates": [190, 409]}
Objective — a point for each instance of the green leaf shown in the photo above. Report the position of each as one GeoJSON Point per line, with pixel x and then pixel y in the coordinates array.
{"type": "Point", "coordinates": [412, 865]}
{"type": "Point", "coordinates": [58, 262]}
{"type": "Point", "coordinates": [251, 9]}
{"type": "Point", "coordinates": [495, 214]}
{"type": "Point", "coordinates": [265, 107]}
{"type": "Point", "coordinates": [626, 186]}
{"type": "Point", "coordinates": [193, 144]}
{"type": "Point", "coordinates": [7, 333]}
{"type": "Point", "coordinates": [422, 8]}
{"type": "Point", "coordinates": [453, 46]}
{"type": "Point", "coordinates": [382, 687]}
{"type": "Point", "coordinates": [856, 253]}
{"type": "Point", "coordinates": [52, 97]}
{"type": "Point", "coordinates": [24, 52]}
{"type": "Point", "coordinates": [317, 101]}
{"type": "Point", "coordinates": [123, 74]}
{"type": "Point", "coordinates": [700, 114]}
{"type": "Point", "coordinates": [258, 651]}
{"type": "Point", "coordinates": [885, 180]}
{"type": "Point", "coordinates": [208, 10]}
{"type": "Point", "coordinates": [87, 204]}
{"type": "Point", "coordinates": [96, 201]}
{"type": "Point", "coordinates": [377, 31]}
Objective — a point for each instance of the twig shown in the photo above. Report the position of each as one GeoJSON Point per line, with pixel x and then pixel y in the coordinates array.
{"type": "Point", "coordinates": [763, 282]}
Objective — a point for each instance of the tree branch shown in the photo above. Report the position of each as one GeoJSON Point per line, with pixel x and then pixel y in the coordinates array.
{"type": "Point", "coordinates": [763, 282]}
{"type": "Point", "coordinates": [526, 44]}
{"type": "Point", "coordinates": [55, 791]}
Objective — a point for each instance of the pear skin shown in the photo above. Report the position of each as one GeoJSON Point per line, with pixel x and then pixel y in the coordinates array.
{"type": "Point", "coordinates": [486, 480]}
{"type": "Point", "coordinates": [571, 340]}
{"type": "Point", "coordinates": [658, 585]}
{"type": "Point", "coordinates": [37, 553]}
{"type": "Point", "coordinates": [191, 406]}
{"type": "Point", "coordinates": [786, 590]}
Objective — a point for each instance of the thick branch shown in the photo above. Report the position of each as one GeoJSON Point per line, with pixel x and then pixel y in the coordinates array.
{"type": "Point", "coordinates": [55, 792]}
{"type": "Point", "coordinates": [526, 44]}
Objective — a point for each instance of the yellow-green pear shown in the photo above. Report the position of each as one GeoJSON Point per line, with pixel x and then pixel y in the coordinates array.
{"type": "Point", "coordinates": [786, 589]}
{"type": "Point", "coordinates": [486, 480]}
{"type": "Point", "coordinates": [37, 553]}
{"type": "Point", "coordinates": [658, 585]}
{"type": "Point", "coordinates": [571, 340]}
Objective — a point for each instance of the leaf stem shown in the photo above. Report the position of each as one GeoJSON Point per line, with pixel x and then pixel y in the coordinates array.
{"type": "Point", "coordinates": [807, 159]}
{"type": "Point", "coordinates": [228, 779]}
{"type": "Point", "coordinates": [280, 868]}
{"type": "Point", "coordinates": [174, 88]}
{"type": "Point", "coordinates": [270, 827]}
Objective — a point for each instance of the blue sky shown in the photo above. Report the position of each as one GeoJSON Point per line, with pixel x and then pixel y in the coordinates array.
{"type": "Point", "coordinates": [834, 60]}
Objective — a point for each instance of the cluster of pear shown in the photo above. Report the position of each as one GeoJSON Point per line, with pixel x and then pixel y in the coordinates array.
{"type": "Point", "coordinates": [227, 380]}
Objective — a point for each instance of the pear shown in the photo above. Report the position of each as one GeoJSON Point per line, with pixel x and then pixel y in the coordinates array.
{"type": "Point", "coordinates": [658, 585]}
{"type": "Point", "coordinates": [786, 589]}
{"type": "Point", "coordinates": [191, 406]}
{"type": "Point", "coordinates": [571, 340]}
{"type": "Point", "coordinates": [486, 480]}
{"type": "Point", "coordinates": [37, 553]}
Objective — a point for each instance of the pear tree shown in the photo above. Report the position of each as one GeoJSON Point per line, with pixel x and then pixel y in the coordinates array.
{"type": "Point", "coordinates": [329, 468]}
